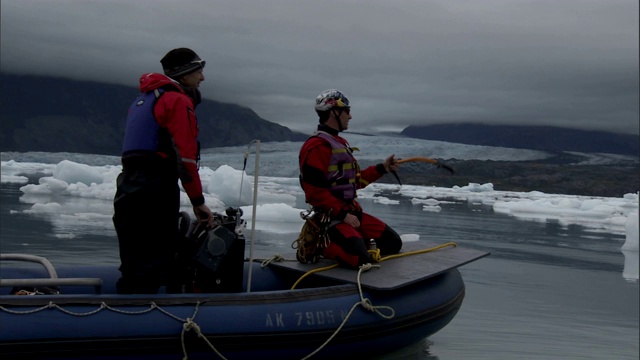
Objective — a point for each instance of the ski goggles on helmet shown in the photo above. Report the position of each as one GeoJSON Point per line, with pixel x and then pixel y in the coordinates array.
{"type": "Point", "coordinates": [199, 62]}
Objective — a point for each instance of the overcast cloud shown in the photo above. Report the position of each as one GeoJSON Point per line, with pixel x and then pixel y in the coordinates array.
{"type": "Point", "coordinates": [571, 63]}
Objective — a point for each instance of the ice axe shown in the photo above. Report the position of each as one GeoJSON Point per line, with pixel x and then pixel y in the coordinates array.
{"type": "Point", "coordinates": [425, 160]}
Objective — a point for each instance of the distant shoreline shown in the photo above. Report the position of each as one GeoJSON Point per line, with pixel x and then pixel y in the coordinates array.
{"type": "Point", "coordinates": [524, 176]}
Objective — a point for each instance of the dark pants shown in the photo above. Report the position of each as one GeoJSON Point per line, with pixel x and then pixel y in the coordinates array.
{"type": "Point", "coordinates": [354, 241]}
{"type": "Point", "coordinates": [146, 208]}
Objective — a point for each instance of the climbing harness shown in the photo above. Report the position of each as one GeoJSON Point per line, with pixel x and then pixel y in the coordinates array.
{"type": "Point", "coordinates": [313, 236]}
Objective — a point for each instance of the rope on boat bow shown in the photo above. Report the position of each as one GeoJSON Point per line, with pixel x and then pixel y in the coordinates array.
{"type": "Point", "coordinates": [190, 325]}
{"type": "Point", "coordinates": [364, 302]}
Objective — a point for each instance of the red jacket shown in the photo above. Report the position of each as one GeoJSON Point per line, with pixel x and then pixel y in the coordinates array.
{"type": "Point", "coordinates": [314, 160]}
{"type": "Point", "coordinates": [175, 111]}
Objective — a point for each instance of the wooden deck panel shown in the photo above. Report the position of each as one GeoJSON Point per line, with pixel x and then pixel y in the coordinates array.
{"type": "Point", "coordinates": [398, 272]}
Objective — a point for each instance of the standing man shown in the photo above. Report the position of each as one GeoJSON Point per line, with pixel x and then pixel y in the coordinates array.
{"type": "Point", "coordinates": [160, 146]}
{"type": "Point", "coordinates": [330, 177]}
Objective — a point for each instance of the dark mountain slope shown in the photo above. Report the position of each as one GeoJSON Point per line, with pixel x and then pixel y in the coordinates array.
{"type": "Point", "coordinates": [61, 115]}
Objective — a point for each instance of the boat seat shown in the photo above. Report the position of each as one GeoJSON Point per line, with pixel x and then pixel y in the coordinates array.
{"type": "Point", "coordinates": [52, 281]}
{"type": "Point", "coordinates": [30, 283]}
{"type": "Point", "coordinates": [398, 272]}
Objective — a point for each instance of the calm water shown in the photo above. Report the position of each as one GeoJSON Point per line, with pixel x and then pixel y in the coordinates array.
{"type": "Point", "coordinates": [546, 292]}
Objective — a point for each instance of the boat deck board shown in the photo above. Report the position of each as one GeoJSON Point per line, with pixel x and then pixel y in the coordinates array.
{"type": "Point", "coordinates": [397, 272]}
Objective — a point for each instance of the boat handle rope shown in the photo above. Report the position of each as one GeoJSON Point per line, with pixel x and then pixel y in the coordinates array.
{"type": "Point", "coordinates": [102, 306]}
{"type": "Point", "coordinates": [190, 325]}
{"type": "Point", "coordinates": [187, 324]}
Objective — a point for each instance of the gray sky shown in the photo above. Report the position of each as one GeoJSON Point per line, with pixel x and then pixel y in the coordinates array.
{"type": "Point", "coordinates": [571, 63]}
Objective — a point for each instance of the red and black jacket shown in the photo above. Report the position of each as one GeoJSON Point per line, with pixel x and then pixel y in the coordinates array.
{"type": "Point", "coordinates": [314, 160]}
{"type": "Point", "coordinates": [162, 134]}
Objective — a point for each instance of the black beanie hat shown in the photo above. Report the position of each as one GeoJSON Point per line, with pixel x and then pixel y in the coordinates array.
{"type": "Point", "coordinates": [180, 62]}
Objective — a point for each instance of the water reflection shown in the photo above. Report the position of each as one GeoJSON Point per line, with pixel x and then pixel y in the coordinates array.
{"type": "Point", "coordinates": [630, 271]}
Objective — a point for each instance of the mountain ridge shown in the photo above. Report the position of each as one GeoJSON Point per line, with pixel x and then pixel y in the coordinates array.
{"type": "Point", "coordinates": [51, 114]}
{"type": "Point", "coordinates": [41, 113]}
{"type": "Point", "coordinates": [545, 138]}
{"type": "Point", "coordinates": [68, 116]}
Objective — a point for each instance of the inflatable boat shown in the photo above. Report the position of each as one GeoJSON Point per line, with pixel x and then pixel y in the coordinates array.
{"type": "Point", "coordinates": [282, 310]}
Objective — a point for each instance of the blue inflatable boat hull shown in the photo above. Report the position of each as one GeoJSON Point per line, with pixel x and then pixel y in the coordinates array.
{"type": "Point", "coordinates": [323, 314]}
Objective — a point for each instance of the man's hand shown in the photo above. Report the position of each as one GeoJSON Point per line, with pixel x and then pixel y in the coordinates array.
{"type": "Point", "coordinates": [352, 220]}
{"type": "Point", "coordinates": [390, 164]}
{"type": "Point", "coordinates": [204, 214]}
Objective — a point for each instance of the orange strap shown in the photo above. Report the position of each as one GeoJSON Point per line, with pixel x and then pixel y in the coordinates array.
{"type": "Point", "coordinates": [417, 159]}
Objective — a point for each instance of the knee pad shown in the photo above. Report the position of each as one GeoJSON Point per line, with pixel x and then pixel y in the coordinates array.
{"type": "Point", "coordinates": [337, 253]}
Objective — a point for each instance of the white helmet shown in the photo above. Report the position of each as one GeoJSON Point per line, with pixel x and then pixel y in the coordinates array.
{"type": "Point", "coordinates": [331, 98]}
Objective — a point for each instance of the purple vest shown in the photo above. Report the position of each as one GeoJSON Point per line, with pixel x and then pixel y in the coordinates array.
{"type": "Point", "coordinates": [141, 132]}
{"type": "Point", "coordinates": [343, 172]}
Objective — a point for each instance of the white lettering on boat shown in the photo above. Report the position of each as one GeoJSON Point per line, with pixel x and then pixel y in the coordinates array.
{"type": "Point", "coordinates": [306, 318]}
{"type": "Point", "coordinates": [278, 320]}
{"type": "Point", "coordinates": [310, 318]}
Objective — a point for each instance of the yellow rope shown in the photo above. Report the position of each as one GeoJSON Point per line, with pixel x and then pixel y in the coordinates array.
{"type": "Point", "coordinates": [375, 255]}
{"type": "Point", "coordinates": [313, 272]}
{"type": "Point", "coordinates": [415, 252]}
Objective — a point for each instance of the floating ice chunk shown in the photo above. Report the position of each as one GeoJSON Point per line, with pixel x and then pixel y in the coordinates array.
{"type": "Point", "coordinates": [385, 201]}
{"type": "Point", "coordinates": [430, 201]}
{"type": "Point", "coordinates": [474, 187]}
{"type": "Point", "coordinates": [431, 208]}
{"type": "Point", "coordinates": [46, 185]}
{"type": "Point", "coordinates": [410, 237]}
{"type": "Point", "coordinates": [72, 173]}
{"type": "Point", "coordinates": [51, 207]}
